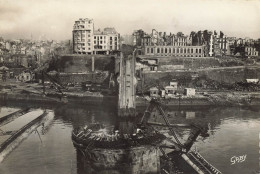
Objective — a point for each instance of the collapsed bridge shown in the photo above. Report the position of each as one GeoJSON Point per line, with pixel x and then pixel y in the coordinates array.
{"type": "Point", "coordinates": [134, 145]}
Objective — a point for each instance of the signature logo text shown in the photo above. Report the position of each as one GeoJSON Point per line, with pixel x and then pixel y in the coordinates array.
{"type": "Point", "coordinates": [237, 159]}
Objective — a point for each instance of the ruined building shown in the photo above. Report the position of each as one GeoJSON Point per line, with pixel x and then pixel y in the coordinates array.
{"type": "Point", "coordinates": [250, 51]}
{"type": "Point", "coordinates": [160, 44]}
{"type": "Point", "coordinates": [87, 40]}
{"type": "Point", "coordinates": [218, 45]}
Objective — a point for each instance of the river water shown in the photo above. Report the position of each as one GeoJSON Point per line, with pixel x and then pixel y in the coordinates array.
{"type": "Point", "coordinates": [234, 131]}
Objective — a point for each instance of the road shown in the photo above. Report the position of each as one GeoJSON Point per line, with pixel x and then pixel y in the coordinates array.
{"type": "Point", "coordinates": [127, 83]}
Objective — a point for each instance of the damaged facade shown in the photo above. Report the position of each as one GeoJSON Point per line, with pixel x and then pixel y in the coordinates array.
{"type": "Point", "coordinates": [217, 45]}
{"type": "Point", "coordinates": [176, 51]}
{"type": "Point", "coordinates": [197, 44]}
{"type": "Point", "coordinates": [160, 44]}
{"type": "Point", "coordinates": [147, 64]}
{"type": "Point", "coordinates": [251, 51]}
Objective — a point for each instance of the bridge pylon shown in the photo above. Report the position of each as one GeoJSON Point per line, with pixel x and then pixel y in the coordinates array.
{"type": "Point", "coordinates": [127, 86]}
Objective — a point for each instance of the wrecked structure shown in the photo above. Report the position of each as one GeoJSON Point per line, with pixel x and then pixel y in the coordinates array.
{"type": "Point", "coordinates": [197, 44]}
{"type": "Point", "coordinates": [251, 51]}
{"type": "Point", "coordinates": [26, 76]}
{"type": "Point", "coordinates": [133, 145]}
{"type": "Point", "coordinates": [160, 44]}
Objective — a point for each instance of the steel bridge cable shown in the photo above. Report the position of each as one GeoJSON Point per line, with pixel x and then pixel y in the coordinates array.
{"type": "Point", "coordinates": [168, 124]}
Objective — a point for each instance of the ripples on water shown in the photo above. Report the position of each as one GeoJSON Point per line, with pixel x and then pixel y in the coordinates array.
{"type": "Point", "coordinates": [234, 132]}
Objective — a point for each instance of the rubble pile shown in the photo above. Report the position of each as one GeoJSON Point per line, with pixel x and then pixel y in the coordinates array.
{"type": "Point", "coordinates": [244, 86]}
{"type": "Point", "coordinates": [210, 84]}
{"type": "Point", "coordinates": [99, 137]}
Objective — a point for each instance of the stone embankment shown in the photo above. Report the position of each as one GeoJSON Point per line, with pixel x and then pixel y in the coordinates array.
{"type": "Point", "coordinates": [212, 78]}
{"type": "Point", "coordinates": [216, 98]}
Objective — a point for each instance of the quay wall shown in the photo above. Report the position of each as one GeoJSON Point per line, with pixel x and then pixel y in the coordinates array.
{"type": "Point", "coordinates": [194, 62]}
{"type": "Point", "coordinates": [184, 78]}
{"type": "Point", "coordinates": [21, 98]}
{"type": "Point", "coordinates": [132, 160]}
{"type": "Point", "coordinates": [13, 141]}
{"type": "Point", "coordinates": [25, 99]}
{"type": "Point", "coordinates": [232, 75]}
{"type": "Point", "coordinates": [188, 63]}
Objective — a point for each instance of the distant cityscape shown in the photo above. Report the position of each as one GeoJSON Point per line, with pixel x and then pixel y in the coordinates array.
{"type": "Point", "coordinates": [88, 40]}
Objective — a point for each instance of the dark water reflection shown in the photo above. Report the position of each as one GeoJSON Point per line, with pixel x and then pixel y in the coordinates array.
{"type": "Point", "coordinates": [234, 131]}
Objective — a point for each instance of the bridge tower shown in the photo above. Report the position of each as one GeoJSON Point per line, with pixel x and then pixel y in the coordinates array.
{"type": "Point", "coordinates": [127, 86]}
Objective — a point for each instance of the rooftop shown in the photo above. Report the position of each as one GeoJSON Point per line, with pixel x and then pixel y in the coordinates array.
{"type": "Point", "coordinates": [106, 31]}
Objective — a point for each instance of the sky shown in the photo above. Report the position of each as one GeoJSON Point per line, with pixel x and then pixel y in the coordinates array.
{"type": "Point", "coordinates": [54, 19]}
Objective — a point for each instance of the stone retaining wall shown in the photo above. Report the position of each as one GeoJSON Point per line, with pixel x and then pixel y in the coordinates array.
{"type": "Point", "coordinates": [74, 63]}
{"type": "Point", "coordinates": [184, 78]}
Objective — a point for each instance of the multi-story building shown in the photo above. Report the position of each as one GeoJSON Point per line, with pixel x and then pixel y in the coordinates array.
{"type": "Point", "coordinates": [82, 36]}
{"type": "Point", "coordinates": [181, 40]}
{"type": "Point", "coordinates": [250, 51]}
{"type": "Point", "coordinates": [240, 42]}
{"type": "Point", "coordinates": [249, 41]}
{"type": "Point", "coordinates": [106, 41]}
{"type": "Point", "coordinates": [175, 51]}
{"type": "Point", "coordinates": [86, 40]}
{"type": "Point", "coordinates": [160, 38]}
{"type": "Point", "coordinates": [217, 45]}
{"type": "Point", "coordinates": [223, 44]}
{"type": "Point", "coordinates": [244, 46]}
{"type": "Point", "coordinates": [160, 44]}
{"type": "Point", "coordinates": [231, 40]}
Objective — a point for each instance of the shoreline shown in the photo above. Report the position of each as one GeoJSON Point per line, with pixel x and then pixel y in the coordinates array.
{"type": "Point", "coordinates": [218, 99]}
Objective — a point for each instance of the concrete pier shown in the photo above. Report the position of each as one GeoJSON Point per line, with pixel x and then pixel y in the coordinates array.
{"type": "Point", "coordinates": [143, 159]}
{"type": "Point", "coordinates": [5, 119]}
{"type": "Point", "coordinates": [127, 86]}
{"type": "Point", "coordinates": [14, 132]}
